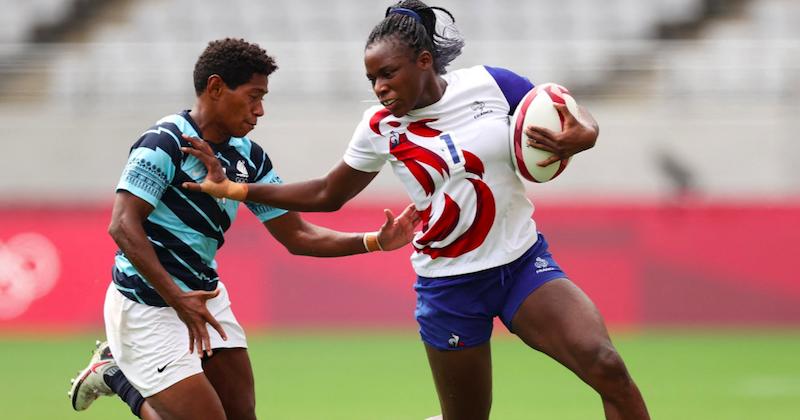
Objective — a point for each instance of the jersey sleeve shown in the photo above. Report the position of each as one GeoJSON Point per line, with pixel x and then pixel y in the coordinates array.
{"type": "Point", "coordinates": [360, 153]}
{"type": "Point", "coordinates": [266, 175]}
{"type": "Point", "coordinates": [151, 165]}
{"type": "Point", "coordinates": [513, 86]}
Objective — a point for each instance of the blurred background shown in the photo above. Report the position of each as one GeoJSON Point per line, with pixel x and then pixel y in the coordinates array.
{"type": "Point", "coordinates": [682, 224]}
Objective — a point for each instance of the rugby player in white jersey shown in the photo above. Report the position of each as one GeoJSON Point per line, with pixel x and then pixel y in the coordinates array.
{"type": "Point", "coordinates": [166, 306]}
{"type": "Point", "coordinates": [479, 254]}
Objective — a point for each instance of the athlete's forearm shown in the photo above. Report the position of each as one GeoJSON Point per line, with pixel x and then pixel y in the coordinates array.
{"type": "Point", "coordinates": [328, 193]}
{"type": "Point", "coordinates": [308, 196]}
{"type": "Point", "coordinates": [316, 241]}
{"type": "Point", "coordinates": [132, 240]}
{"type": "Point", "coordinates": [303, 238]}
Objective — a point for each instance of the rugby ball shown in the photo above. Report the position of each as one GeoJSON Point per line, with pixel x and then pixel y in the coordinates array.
{"type": "Point", "coordinates": [536, 108]}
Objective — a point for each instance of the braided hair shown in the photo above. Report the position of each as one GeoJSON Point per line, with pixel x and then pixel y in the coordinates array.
{"type": "Point", "coordinates": [415, 24]}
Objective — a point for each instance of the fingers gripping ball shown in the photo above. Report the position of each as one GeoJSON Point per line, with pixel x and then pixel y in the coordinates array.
{"type": "Point", "coordinates": [536, 108]}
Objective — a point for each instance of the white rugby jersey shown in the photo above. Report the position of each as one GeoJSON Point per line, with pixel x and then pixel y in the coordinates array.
{"type": "Point", "coordinates": [454, 159]}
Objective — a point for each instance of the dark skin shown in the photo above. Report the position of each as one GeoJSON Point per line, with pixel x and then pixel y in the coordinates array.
{"type": "Point", "coordinates": [225, 388]}
{"type": "Point", "coordinates": [557, 319]}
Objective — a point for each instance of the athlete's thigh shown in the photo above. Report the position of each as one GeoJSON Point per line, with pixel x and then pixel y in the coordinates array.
{"type": "Point", "coordinates": [150, 344]}
{"type": "Point", "coordinates": [229, 369]}
{"type": "Point", "coordinates": [231, 375]}
{"type": "Point", "coordinates": [463, 380]}
{"type": "Point", "coordinates": [189, 399]}
{"type": "Point", "coordinates": [561, 321]}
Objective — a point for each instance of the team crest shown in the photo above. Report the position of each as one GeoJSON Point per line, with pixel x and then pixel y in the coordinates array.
{"type": "Point", "coordinates": [480, 109]}
{"type": "Point", "coordinates": [242, 175]}
{"type": "Point", "coordinates": [455, 341]}
{"type": "Point", "coordinates": [394, 139]}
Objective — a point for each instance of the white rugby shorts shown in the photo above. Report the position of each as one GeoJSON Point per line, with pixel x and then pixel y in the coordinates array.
{"type": "Point", "coordinates": [151, 344]}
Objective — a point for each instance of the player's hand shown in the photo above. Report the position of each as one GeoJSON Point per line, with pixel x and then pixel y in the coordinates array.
{"type": "Point", "coordinates": [397, 232]}
{"type": "Point", "coordinates": [574, 138]}
{"type": "Point", "coordinates": [191, 309]}
{"type": "Point", "coordinates": [216, 183]}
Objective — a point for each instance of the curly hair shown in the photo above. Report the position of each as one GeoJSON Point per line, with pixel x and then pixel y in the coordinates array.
{"type": "Point", "coordinates": [234, 60]}
{"type": "Point", "coordinates": [418, 30]}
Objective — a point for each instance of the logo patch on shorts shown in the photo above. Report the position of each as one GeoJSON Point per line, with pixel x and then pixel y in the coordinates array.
{"type": "Point", "coordinates": [455, 341]}
{"type": "Point", "coordinates": [161, 369]}
{"type": "Point", "coordinates": [542, 265]}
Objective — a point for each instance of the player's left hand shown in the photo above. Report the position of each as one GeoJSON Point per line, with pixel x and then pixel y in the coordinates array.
{"type": "Point", "coordinates": [216, 183]}
{"type": "Point", "coordinates": [574, 138]}
{"type": "Point", "coordinates": [397, 232]}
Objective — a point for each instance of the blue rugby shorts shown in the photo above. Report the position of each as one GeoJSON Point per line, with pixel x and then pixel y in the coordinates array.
{"type": "Point", "coordinates": [456, 312]}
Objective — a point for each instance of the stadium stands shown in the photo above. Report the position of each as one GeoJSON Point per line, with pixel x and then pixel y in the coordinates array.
{"type": "Point", "coordinates": [729, 80]}
{"type": "Point", "coordinates": [754, 57]}
{"type": "Point", "coordinates": [322, 45]}
{"type": "Point", "coordinates": [19, 18]}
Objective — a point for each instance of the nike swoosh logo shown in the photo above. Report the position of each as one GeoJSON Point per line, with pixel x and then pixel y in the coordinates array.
{"type": "Point", "coordinates": [161, 369]}
{"type": "Point", "coordinates": [97, 365]}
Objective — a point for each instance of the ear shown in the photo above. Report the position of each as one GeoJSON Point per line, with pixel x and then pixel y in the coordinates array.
{"type": "Point", "coordinates": [215, 86]}
{"type": "Point", "coordinates": [425, 60]}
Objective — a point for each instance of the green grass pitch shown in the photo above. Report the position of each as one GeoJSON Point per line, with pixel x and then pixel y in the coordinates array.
{"type": "Point", "coordinates": [726, 375]}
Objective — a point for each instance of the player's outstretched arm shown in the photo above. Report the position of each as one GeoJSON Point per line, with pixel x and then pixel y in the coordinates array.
{"type": "Point", "coordinates": [579, 134]}
{"type": "Point", "coordinates": [328, 193]}
{"type": "Point", "coordinates": [303, 238]}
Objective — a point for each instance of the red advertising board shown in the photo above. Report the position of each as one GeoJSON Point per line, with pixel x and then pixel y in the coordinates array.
{"type": "Point", "coordinates": [641, 264]}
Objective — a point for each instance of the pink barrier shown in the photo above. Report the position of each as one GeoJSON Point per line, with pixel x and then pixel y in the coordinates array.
{"type": "Point", "coordinates": [641, 264]}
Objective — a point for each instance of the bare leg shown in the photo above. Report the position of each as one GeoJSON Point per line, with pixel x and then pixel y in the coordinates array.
{"type": "Point", "coordinates": [148, 413]}
{"type": "Point", "coordinates": [191, 398]}
{"type": "Point", "coordinates": [559, 320]}
{"type": "Point", "coordinates": [232, 378]}
{"type": "Point", "coordinates": [231, 374]}
{"type": "Point", "coordinates": [463, 381]}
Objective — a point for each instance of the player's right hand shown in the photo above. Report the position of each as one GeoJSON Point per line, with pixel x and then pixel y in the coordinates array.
{"type": "Point", "coordinates": [575, 137]}
{"type": "Point", "coordinates": [191, 309]}
{"type": "Point", "coordinates": [216, 183]}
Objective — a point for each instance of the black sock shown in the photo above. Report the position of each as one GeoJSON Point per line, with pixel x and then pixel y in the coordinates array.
{"type": "Point", "coordinates": [118, 383]}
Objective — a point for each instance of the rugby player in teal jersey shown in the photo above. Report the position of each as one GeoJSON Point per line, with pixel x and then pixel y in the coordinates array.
{"type": "Point", "coordinates": [166, 305]}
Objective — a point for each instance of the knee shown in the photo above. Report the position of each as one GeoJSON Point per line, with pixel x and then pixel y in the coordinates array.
{"type": "Point", "coordinates": [607, 371]}
{"type": "Point", "coordinates": [244, 408]}
{"type": "Point", "coordinates": [244, 414]}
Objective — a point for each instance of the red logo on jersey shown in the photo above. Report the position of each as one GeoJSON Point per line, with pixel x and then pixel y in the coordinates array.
{"type": "Point", "coordinates": [413, 156]}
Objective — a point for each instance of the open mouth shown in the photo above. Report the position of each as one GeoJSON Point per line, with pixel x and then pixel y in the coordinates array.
{"type": "Point", "coordinates": [388, 102]}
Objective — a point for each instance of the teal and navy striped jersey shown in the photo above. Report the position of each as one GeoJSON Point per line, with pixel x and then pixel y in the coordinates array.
{"type": "Point", "coordinates": [185, 228]}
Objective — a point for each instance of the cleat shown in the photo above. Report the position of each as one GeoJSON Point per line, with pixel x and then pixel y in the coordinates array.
{"type": "Point", "coordinates": [89, 383]}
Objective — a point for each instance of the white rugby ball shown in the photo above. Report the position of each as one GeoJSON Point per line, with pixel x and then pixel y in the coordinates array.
{"type": "Point", "coordinates": [536, 108]}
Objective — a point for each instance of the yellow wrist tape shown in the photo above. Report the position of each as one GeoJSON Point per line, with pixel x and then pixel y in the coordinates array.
{"type": "Point", "coordinates": [225, 189]}
{"type": "Point", "coordinates": [236, 191]}
{"type": "Point", "coordinates": [371, 242]}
